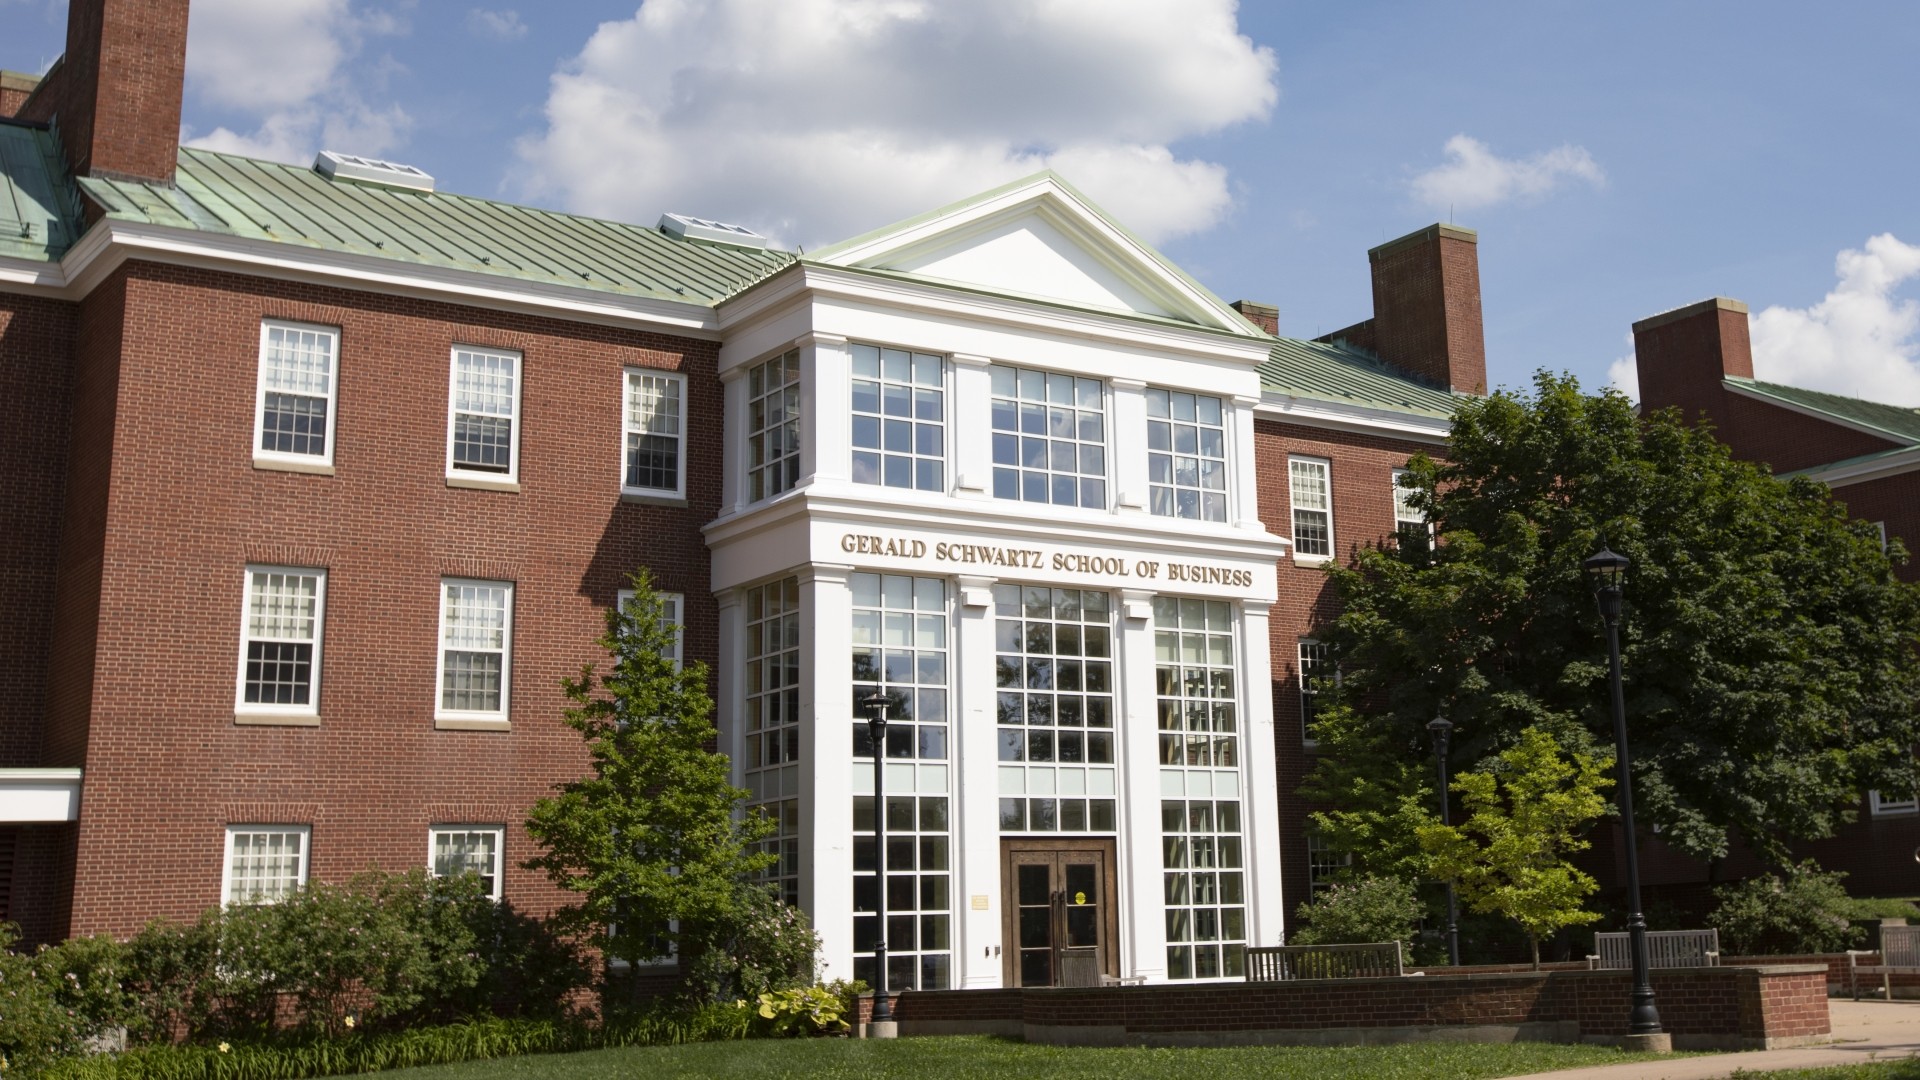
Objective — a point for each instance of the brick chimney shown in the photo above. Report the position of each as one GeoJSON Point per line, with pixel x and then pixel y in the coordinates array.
{"type": "Point", "coordinates": [1683, 354]}
{"type": "Point", "coordinates": [115, 95]}
{"type": "Point", "coordinates": [15, 88]}
{"type": "Point", "coordinates": [1264, 316]}
{"type": "Point", "coordinates": [1426, 309]}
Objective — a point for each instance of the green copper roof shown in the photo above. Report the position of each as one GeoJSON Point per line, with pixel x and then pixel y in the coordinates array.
{"type": "Point", "coordinates": [39, 216]}
{"type": "Point", "coordinates": [1893, 422]}
{"type": "Point", "coordinates": [261, 200]}
{"type": "Point", "coordinates": [1343, 376]}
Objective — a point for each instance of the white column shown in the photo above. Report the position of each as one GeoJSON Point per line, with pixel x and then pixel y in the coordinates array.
{"type": "Point", "coordinates": [971, 428]}
{"type": "Point", "coordinates": [1143, 920]}
{"type": "Point", "coordinates": [730, 704]}
{"type": "Point", "coordinates": [1260, 810]}
{"type": "Point", "coordinates": [976, 790]}
{"type": "Point", "coordinates": [733, 396]}
{"type": "Point", "coordinates": [1127, 445]}
{"type": "Point", "coordinates": [826, 413]}
{"type": "Point", "coordinates": [1241, 472]}
{"type": "Point", "coordinates": [826, 774]}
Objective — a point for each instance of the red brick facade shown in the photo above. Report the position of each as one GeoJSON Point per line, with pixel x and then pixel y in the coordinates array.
{"type": "Point", "coordinates": [1426, 309]}
{"type": "Point", "coordinates": [116, 92]}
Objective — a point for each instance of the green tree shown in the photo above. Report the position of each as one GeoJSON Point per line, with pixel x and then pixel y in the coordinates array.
{"type": "Point", "coordinates": [1525, 814]}
{"type": "Point", "coordinates": [651, 840]}
{"type": "Point", "coordinates": [1371, 909]}
{"type": "Point", "coordinates": [1768, 648]}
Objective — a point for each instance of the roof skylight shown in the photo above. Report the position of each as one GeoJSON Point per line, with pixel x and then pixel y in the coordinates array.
{"type": "Point", "coordinates": [338, 166]}
{"type": "Point", "coordinates": [686, 227]}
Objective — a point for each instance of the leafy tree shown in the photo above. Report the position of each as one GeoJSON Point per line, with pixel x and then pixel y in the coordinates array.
{"type": "Point", "coordinates": [650, 840]}
{"type": "Point", "coordinates": [1525, 814]}
{"type": "Point", "coordinates": [1768, 648]}
{"type": "Point", "coordinates": [1368, 910]}
{"type": "Point", "coordinates": [1803, 912]}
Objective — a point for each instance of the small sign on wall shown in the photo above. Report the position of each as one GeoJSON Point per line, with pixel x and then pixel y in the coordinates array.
{"type": "Point", "coordinates": [979, 902]}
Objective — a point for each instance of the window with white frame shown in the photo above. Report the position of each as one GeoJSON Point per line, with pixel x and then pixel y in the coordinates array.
{"type": "Point", "coordinates": [484, 413]}
{"type": "Point", "coordinates": [1316, 664]}
{"type": "Point", "coordinates": [1186, 455]}
{"type": "Point", "coordinates": [468, 849]}
{"type": "Point", "coordinates": [1407, 521]}
{"type": "Point", "coordinates": [280, 632]}
{"type": "Point", "coordinates": [1049, 438]}
{"type": "Point", "coordinates": [1880, 529]}
{"type": "Point", "coordinates": [476, 635]}
{"type": "Point", "coordinates": [773, 725]}
{"type": "Point", "coordinates": [671, 605]}
{"type": "Point", "coordinates": [1324, 864]}
{"type": "Point", "coordinates": [773, 426]}
{"type": "Point", "coordinates": [1311, 489]}
{"type": "Point", "coordinates": [919, 892]}
{"type": "Point", "coordinates": [1054, 670]}
{"type": "Point", "coordinates": [265, 863]}
{"type": "Point", "coordinates": [294, 404]}
{"type": "Point", "coordinates": [1885, 807]}
{"type": "Point", "coordinates": [653, 422]}
{"type": "Point", "coordinates": [899, 419]}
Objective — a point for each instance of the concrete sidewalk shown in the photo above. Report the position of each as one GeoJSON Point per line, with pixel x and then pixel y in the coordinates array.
{"type": "Point", "coordinates": [1863, 1031]}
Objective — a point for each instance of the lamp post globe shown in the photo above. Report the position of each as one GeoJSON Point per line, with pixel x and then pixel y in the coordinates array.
{"type": "Point", "coordinates": [876, 705]}
{"type": "Point", "coordinates": [1442, 731]}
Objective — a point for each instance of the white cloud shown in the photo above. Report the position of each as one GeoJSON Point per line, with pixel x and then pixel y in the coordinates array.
{"type": "Point", "coordinates": [818, 119]}
{"type": "Point", "coordinates": [1624, 373]}
{"type": "Point", "coordinates": [1474, 176]}
{"type": "Point", "coordinates": [1862, 340]}
{"type": "Point", "coordinates": [289, 67]}
{"type": "Point", "coordinates": [499, 25]}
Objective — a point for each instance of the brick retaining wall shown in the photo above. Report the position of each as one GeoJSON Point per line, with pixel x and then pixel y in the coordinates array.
{"type": "Point", "coordinates": [1704, 1008]}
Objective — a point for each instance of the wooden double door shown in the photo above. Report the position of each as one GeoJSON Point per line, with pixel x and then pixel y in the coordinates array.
{"type": "Point", "coordinates": [1061, 923]}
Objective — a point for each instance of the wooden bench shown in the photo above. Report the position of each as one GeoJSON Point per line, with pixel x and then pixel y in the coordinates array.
{"type": "Point", "coordinates": [1665, 949]}
{"type": "Point", "coordinates": [1284, 963]}
{"type": "Point", "coordinates": [1899, 953]}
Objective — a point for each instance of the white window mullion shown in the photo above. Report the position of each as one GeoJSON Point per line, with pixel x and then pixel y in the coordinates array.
{"type": "Point", "coordinates": [293, 417]}
{"type": "Point", "coordinates": [483, 414]}
{"type": "Point", "coordinates": [1310, 488]}
{"type": "Point", "coordinates": [264, 864]}
{"type": "Point", "coordinates": [468, 849]}
{"type": "Point", "coordinates": [476, 649]}
{"type": "Point", "coordinates": [280, 638]}
{"type": "Point", "coordinates": [654, 447]}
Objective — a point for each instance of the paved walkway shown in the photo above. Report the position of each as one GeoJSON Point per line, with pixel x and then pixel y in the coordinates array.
{"type": "Point", "coordinates": [1862, 1030]}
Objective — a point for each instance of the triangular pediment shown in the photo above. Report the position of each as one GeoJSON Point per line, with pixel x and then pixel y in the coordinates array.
{"type": "Point", "coordinates": [1039, 238]}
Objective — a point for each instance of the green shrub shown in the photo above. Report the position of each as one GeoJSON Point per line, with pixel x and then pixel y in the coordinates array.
{"type": "Point", "coordinates": [809, 1010]}
{"type": "Point", "coordinates": [1368, 910]}
{"type": "Point", "coordinates": [1804, 912]}
{"type": "Point", "coordinates": [770, 946]}
{"type": "Point", "coordinates": [1878, 908]}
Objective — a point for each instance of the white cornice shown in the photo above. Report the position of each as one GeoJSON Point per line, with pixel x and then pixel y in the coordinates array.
{"type": "Point", "coordinates": [1356, 418]}
{"type": "Point", "coordinates": [1758, 394]}
{"type": "Point", "coordinates": [1857, 471]}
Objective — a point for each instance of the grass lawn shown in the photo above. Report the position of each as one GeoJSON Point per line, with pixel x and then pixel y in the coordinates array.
{"type": "Point", "coordinates": [1880, 1070]}
{"type": "Point", "coordinates": [975, 1057]}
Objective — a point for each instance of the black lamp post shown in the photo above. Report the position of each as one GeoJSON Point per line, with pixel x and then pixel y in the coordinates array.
{"type": "Point", "coordinates": [1442, 729]}
{"type": "Point", "coordinates": [876, 705]}
{"type": "Point", "coordinates": [1607, 571]}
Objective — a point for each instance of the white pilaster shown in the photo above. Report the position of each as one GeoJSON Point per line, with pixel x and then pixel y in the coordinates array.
{"type": "Point", "coordinates": [1242, 468]}
{"type": "Point", "coordinates": [976, 819]}
{"type": "Point", "coordinates": [971, 431]}
{"type": "Point", "coordinates": [826, 415]}
{"type": "Point", "coordinates": [733, 397]}
{"type": "Point", "coordinates": [1143, 920]}
{"type": "Point", "coordinates": [1261, 810]}
{"type": "Point", "coordinates": [826, 776]}
{"type": "Point", "coordinates": [1127, 445]}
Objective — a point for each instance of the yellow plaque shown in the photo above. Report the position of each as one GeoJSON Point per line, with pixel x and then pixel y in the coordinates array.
{"type": "Point", "coordinates": [979, 902]}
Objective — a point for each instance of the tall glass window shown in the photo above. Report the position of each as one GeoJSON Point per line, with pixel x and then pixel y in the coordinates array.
{"type": "Point", "coordinates": [1200, 813]}
{"type": "Point", "coordinates": [1054, 669]}
{"type": "Point", "coordinates": [900, 649]}
{"type": "Point", "coordinates": [1186, 455]}
{"type": "Point", "coordinates": [773, 426]}
{"type": "Point", "coordinates": [919, 892]}
{"type": "Point", "coordinates": [773, 723]}
{"type": "Point", "coordinates": [1049, 438]}
{"type": "Point", "coordinates": [899, 419]}
{"type": "Point", "coordinates": [1312, 494]}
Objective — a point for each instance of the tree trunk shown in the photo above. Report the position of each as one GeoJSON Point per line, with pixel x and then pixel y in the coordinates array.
{"type": "Point", "coordinates": [1535, 943]}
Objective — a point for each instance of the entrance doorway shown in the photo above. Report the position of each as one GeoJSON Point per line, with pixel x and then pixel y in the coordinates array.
{"type": "Point", "coordinates": [1060, 926]}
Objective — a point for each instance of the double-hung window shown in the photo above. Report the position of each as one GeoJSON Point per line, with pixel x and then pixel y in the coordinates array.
{"type": "Point", "coordinates": [899, 419]}
{"type": "Point", "coordinates": [1885, 807]}
{"type": "Point", "coordinates": [671, 607]}
{"type": "Point", "coordinates": [1049, 438]}
{"type": "Point", "coordinates": [294, 403]}
{"type": "Point", "coordinates": [1186, 455]}
{"type": "Point", "coordinates": [773, 426]}
{"type": "Point", "coordinates": [1311, 489]}
{"type": "Point", "coordinates": [483, 425]}
{"type": "Point", "coordinates": [280, 631]}
{"type": "Point", "coordinates": [467, 849]}
{"type": "Point", "coordinates": [1315, 664]}
{"type": "Point", "coordinates": [264, 863]}
{"type": "Point", "coordinates": [656, 442]}
{"type": "Point", "coordinates": [1408, 523]}
{"type": "Point", "coordinates": [476, 638]}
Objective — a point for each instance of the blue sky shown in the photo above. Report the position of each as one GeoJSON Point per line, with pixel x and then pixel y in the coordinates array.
{"type": "Point", "coordinates": [1617, 159]}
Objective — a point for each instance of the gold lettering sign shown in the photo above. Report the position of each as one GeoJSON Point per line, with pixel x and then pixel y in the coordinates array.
{"type": "Point", "coordinates": [999, 556]}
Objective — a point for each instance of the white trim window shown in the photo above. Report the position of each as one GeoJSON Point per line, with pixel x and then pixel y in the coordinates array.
{"type": "Point", "coordinates": [294, 402]}
{"type": "Point", "coordinates": [264, 864]}
{"type": "Point", "coordinates": [672, 605]}
{"type": "Point", "coordinates": [1315, 663]}
{"type": "Point", "coordinates": [1310, 487]}
{"type": "Point", "coordinates": [280, 634]}
{"type": "Point", "coordinates": [1324, 864]}
{"type": "Point", "coordinates": [468, 849]}
{"type": "Point", "coordinates": [653, 425]}
{"type": "Point", "coordinates": [1407, 521]}
{"type": "Point", "coordinates": [1049, 437]}
{"type": "Point", "coordinates": [1880, 529]}
{"type": "Point", "coordinates": [1885, 807]}
{"type": "Point", "coordinates": [773, 426]}
{"type": "Point", "coordinates": [476, 639]}
{"type": "Point", "coordinates": [899, 419]}
{"type": "Point", "coordinates": [1186, 455]}
{"type": "Point", "coordinates": [483, 414]}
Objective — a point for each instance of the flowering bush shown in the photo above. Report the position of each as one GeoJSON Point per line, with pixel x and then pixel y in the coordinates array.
{"type": "Point", "coordinates": [767, 946]}
{"type": "Point", "coordinates": [54, 1000]}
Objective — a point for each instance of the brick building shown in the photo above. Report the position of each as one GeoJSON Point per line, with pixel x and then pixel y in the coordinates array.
{"type": "Point", "coordinates": [318, 480]}
{"type": "Point", "coordinates": [1699, 359]}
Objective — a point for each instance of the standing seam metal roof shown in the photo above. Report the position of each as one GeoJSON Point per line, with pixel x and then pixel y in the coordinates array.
{"type": "Point", "coordinates": [1894, 422]}
{"type": "Point", "coordinates": [39, 216]}
{"type": "Point", "coordinates": [1346, 376]}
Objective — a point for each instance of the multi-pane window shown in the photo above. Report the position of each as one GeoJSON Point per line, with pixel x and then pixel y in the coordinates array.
{"type": "Point", "coordinates": [773, 426]}
{"type": "Point", "coordinates": [1186, 455]}
{"type": "Point", "coordinates": [900, 649]}
{"type": "Point", "coordinates": [1194, 682]}
{"type": "Point", "coordinates": [656, 447]}
{"type": "Point", "coordinates": [468, 849]}
{"type": "Point", "coordinates": [1206, 888]}
{"type": "Point", "coordinates": [919, 892]}
{"type": "Point", "coordinates": [485, 412]}
{"type": "Point", "coordinates": [899, 419]}
{"type": "Point", "coordinates": [1049, 438]}
{"type": "Point", "coordinates": [1316, 665]}
{"type": "Point", "coordinates": [773, 724]}
{"type": "Point", "coordinates": [280, 640]}
{"type": "Point", "coordinates": [1053, 659]}
{"type": "Point", "coordinates": [476, 632]}
{"type": "Point", "coordinates": [1885, 807]}
{"type": "Point", "coordinates": [1312, 494]}
{"type": "Point", "coordinates": [294, 410]}
{"type": "Point", "coordinates": [1325, 865]}
{"type": "Point", "coordinates": [671, 605]}
{"type": "Point", "coordinates": [265, 863]}
{"type": "Point", "coordinates": [1409, 524]}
